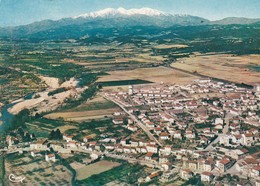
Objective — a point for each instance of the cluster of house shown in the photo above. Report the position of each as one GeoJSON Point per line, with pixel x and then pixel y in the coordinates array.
{"type": "Point", "coordinates": [239, 137]}
{"type": "Point", "coordinates": [173, 112]}
{"type": "Point", "coordinates": [215, 163]}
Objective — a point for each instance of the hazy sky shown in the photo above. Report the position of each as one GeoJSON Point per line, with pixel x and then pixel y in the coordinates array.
{"type": "Point", "coordinates": [18, 12]}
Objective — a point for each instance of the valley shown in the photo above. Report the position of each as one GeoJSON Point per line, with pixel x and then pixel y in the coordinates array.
{"type": "Point", "coordinates": [127, 103]}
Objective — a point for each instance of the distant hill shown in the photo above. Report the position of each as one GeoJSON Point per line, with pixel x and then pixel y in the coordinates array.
{"type": "Point", "coordinates": [110, 18]}
{"type": "Point", "coordinates": [235, 20]}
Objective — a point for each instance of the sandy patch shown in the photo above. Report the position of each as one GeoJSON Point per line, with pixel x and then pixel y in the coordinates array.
{"type": "Point", "coordinates": [95, 168]}
{"type": "Point", "coordinates": [51, 81]}
{"type": "Point", "coordinates": [43, 102]}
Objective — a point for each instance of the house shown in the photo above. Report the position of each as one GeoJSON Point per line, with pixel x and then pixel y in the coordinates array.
{"type": "Point", "coordinates": [72, 144]}
{"type": "Point", "coordinates": [237, 153]}
{"type": "Point", "coordinates": [150, 124]}
{"type": "Point", "coordinates": [40, 144]}
{"type": "Point", "coordinates": [9, 140]}
{"type": "Point", "coordinates": [108, 146]}
{"type": "Point", "coordinates": [166, 150]}
{"type": "Point", "coordinates": [50, 157]}
{"type": "Point", "coordinates": [167, 117]}
{"type": "Point", "coordinates": [125, 142]}
{"type": "Point", "coordinates": [237, 139]}
{"type": "Point", "coordinates": [150, 157]}
{"type": "Point", "coordinates": [255, 172]}
{"type": "Point", "coordinates": [224, 164]}
{"type": "Point", "coordinates": [208, 165]}
{"type": "Point", "coordinates": [152, 148]}
{"type": "Point", "coordinates": [87, 138]}
{"type": "Point", "coordinates": [134, 143]}
{"type": "Point", "coordinates": [164, 136]}
{"type": "Point", "coordinates": [193, 165]}
{"type": "Point", "coordinates": [67, 138]}
{"type": "Point", "coordinates": [56, 145]}
{"type": "Point", "coordinates": [163, 159]}
{"type": "Point", "coordinates": [35, 153]}
{"type": "Point", "coordinates": [248, 139]}
{"type": "Point", "coordinates": [93, 156]}
{"type": "Point", "coordinates": [157, 130]}
{"type": "Point", "coordinates": [219, 121]}
{"type": "Point", "coordinates": [132, 128]}
{"type": "Point", "coordinates": [200, 164]}
{"type": "Point", "coordinates": [118, 121]}
{"type": "Point", "coordinates": [166, 166]}
{"type": "Point", "coordinates": [207, 176]}
{"type": "Point", "coordinates": [190, 134]}
{"type": "Point", "coordinates": [141, 149]}
{"type": "Point", "coordinates": [177, 134]}
{"type": "Point", "coordinates": [127, 149]}
{"type": "Point", "coordinates": [152, 176]}
{"type": "Point", "coordinates": [218, 126]}
{"type": "Point", "coordinates": [186, 174]}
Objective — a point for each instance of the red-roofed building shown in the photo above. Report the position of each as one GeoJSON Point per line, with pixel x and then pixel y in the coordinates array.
{"type": "Point", "coordinates": [255, 172]}
{"type": "Point", "coordinates": [207, 176]}
{"type": "Point", "coordinates": [224, 164]}
{"type": "Point", "coordinates": [186, 174]}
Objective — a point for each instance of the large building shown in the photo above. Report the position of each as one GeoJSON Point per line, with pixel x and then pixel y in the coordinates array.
{"type": "Point", "coordinates": [257, 88]}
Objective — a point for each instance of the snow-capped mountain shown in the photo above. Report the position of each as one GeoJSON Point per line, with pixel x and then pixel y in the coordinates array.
{"type": "Point", "coordinates": [110, 12]}
{"type": "Point", "coordinates": [107, 19]}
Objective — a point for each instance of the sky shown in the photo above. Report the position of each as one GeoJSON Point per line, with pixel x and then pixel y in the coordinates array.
{"type": "Point", "coordinates": [20, 12]}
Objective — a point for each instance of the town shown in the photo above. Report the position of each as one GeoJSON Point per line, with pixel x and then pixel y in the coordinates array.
{"type": "Point", "coordinates": [207, 130]}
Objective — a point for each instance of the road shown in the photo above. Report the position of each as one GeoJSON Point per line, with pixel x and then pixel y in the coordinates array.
{"type": "Point", "coordinates": [108, 154]}
{"type": "Point", "coordinates": [224, 132]}
{"type": "Point", "coordinates": [139, 123]}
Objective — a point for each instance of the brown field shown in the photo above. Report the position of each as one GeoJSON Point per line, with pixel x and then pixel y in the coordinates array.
{"type": "Point", "coordinates": [223, 66]}
{"type": "Point", "coordinates": [84, 172]}
{"type": "Point", "coordinates": [156, 75]}
{"type": "Point", "coordinates": [66, 127]}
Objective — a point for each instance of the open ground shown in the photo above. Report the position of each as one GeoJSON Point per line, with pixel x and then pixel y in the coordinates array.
{"type": "Point", "coordinates": [156, 75]}
{"type": "Point", "coordinates": [237, 69]}
{"type": "Point", "coordinates": [84, 172]}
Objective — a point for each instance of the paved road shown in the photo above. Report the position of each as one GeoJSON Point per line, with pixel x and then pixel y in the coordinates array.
{"type": "Point", "coordinates": [224, 132]}
{"type": "Point", "coordinates": [139, 123]}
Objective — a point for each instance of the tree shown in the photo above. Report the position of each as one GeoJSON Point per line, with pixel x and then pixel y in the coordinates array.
{"type": "Point", "coordinates": [20, 131]}
{"type": "Point", "coordinates": [51, 136]}
{"type": "Point", "coordinates": [125, 122]}
{"type": "Point", "coordinates": [55, 135]}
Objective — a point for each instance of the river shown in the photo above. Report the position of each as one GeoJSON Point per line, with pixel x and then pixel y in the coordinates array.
{"type": "Point", "coordinates": [6, 116]}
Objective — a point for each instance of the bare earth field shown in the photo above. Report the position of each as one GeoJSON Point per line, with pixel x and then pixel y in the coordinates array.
{"type": "Point", "coordinates": [163, 46]}
{"type": "Point", "coordinates": [156, 75]}
{"type": "Point", "coordinates": [84, 172]}
{"type": "Point", "coordinates": [223, 66]}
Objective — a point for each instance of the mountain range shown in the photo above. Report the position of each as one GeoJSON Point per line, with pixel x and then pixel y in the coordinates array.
{"type": "Point", "coordinates": [109, 18]}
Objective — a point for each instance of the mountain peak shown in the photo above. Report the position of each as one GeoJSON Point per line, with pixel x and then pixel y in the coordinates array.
{"type": "Point", "coordinates": [122, 12]}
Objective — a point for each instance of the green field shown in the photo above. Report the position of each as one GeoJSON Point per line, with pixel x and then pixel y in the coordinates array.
{"type": "Point", "coordinates": [126, 173]}
{"type": "Point", "coordinates": [124, 82]}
